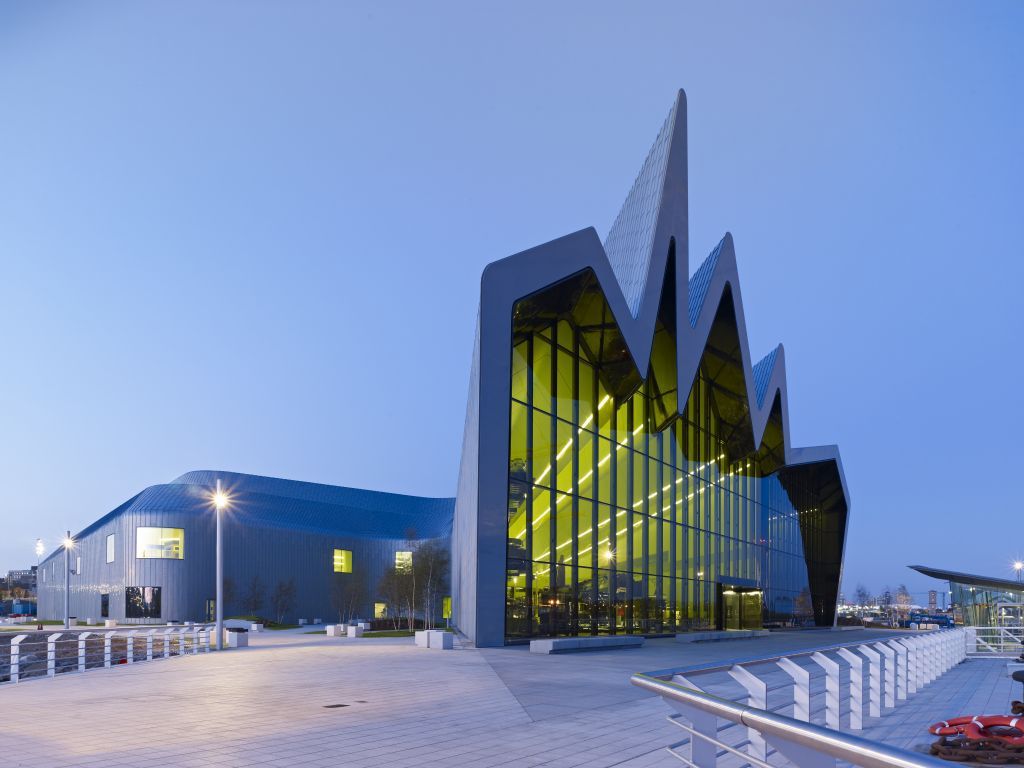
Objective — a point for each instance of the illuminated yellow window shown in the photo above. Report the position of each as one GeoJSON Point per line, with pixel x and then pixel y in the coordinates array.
{"type": "Point", "coordinates": [380, 610]}
{"type": "Point", "coordinates": [403, 560]}
{"type": "Point", "coordinates": [343, 561]}
{"type": "Point", "coordinates": [161, 543]}
{"type": "Point", "coordinates": [446, 608]}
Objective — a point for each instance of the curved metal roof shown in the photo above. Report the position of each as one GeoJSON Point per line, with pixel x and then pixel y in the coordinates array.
{"type": "Point", "coordinates": [277, 503]}
{"type": "Point", "coordinates": [987, 582]}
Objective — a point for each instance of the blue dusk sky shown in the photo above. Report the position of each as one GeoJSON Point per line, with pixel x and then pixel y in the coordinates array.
{"type": "Point", "coordinates": [249, 235]}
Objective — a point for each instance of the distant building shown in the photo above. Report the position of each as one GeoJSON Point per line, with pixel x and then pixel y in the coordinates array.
{"type": "Point", "coordinates": [152, 559]}
{"type": "Point", "coordinates": [933, 600]}
{"type": "Point", "coordinates": [981, 601]}
{"type": "Point", "coordinates": [22, 579]}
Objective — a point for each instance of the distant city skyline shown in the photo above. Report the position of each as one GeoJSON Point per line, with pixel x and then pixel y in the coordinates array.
{"type": "Point", "coordinates": [194, 246]}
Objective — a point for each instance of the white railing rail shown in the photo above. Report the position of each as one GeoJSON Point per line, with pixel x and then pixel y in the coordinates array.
{"type": "Point", "coordinates": [796, 704]}
{"type": "Point", "coordinates": [995, 641]}
{"type": "Point", "coordinates": [48, 654]}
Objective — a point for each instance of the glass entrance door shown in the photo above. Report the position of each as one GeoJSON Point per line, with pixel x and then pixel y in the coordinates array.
{"type": "Point", "coordinates": [740, 607]}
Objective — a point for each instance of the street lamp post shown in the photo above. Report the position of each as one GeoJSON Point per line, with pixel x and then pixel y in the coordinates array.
{"type": "Point", "coordinates": [220, 501]}
{"type": "Point", "coordinates": [68, 543]}
{"type": "Point", "coordinates": [39, 560]}
{"type": "Point", "coordinates": [1018, 566]}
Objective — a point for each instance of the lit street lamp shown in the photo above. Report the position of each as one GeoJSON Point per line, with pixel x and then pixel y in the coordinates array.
{"type": "Point", "coordinates": [69, 543]}
{"type": "Point", "coordinates": [220, 503]}
{"type": "Point", "coordinates": [1018, 566]}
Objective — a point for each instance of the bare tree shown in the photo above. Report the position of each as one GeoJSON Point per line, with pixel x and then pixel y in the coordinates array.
{"type": "Point", "coordinates": [393, 589]}
{"type": "Point", "coordinates": [254, 596]}
{"type": "Point", "coordinates": [283, 599]}
{"type": "Point", "coordinates": [348, 594]}
{"type": "Point", "coordinates": [862, 596]}
{"type": "Point", "coordinates": [431, 561]}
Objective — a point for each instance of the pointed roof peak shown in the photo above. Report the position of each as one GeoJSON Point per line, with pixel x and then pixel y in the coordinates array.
{"type": "Point", "coordinates": [631, 238]}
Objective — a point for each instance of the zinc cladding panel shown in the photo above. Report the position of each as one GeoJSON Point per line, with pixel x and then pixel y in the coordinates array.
{"type": "Point", "coordinates": [763, 373]}
{"type": "Point", "coordinates": [631, 237]}
{"type": "Point", "coordinates": [697, 289]}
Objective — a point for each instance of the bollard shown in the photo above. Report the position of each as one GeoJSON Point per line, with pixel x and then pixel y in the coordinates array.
{"type": "Point", "coordinates": [16, 658]}
{"type": "Point", "coordinates": [107, 637]}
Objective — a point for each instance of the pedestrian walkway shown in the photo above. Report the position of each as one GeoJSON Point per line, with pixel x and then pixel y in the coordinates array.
{"type": "Point", "coordinates": [298, 699]}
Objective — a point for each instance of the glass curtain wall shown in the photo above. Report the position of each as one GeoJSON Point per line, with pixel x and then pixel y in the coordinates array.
{"type": "Point", "coordinates": [614, 526]}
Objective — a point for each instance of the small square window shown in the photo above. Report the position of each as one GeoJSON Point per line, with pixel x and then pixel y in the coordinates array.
{"type": "Point", "coordinates": [343, 561]}
{"type": "Point", "coordinates": [380, 610]}
{"type": "Point", "coordinates": [111, 547]}
{"type": "Point", "coordinates": [403, 560]}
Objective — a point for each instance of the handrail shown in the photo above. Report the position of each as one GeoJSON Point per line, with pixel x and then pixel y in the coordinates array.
{"type": "Point", "coordinates": [841, 746]}
{"type": "Point", "coordinates": [725, 666]}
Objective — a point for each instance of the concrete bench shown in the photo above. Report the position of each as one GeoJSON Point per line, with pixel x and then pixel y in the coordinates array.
{"type": "Point", "coordinates": [601, 643]}
{"type": "Point", "coordinates": [109, 623]}
{"type": "Point", "coordinates": [721, 634]}
{"type": "Point", "coordinates": [354, 630]}
{"type": "Point", "coordinates": [336, 630]}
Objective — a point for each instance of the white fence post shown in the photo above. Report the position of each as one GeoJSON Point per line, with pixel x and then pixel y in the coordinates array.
{"type": "Point", "coordinates": [82, 637]}
{"type": "Point", "coordinates": [149, 644]}
{"type": "Point", "coordinates": [195, 639]}
{"type": "Point", "coordinates": [167, 642]}
{"type": "Point", "coordinates": [182, 637]}
{"type": "Point", "coordinates": [107, 637]}
{"type": "Point", "coordinates": [831, 667]}
{"type": "Point", "coordinates": [16, 658]}
{"type": "Point", "coordinates": [889, 679]}
{"type": "Point", "coordinates": [130, 652]}
{"type": "Point", "coordinates": [909, 647]}
{"type": "Point", "coordinates": [757, 696]}
{"type": "Point", "coordinates": [801, 688]}
{"type": "Point", "coordinates": [874, 680]}
{"type": "Point", "coordinates": [51, 653]}
{"type": "Point", "coordinates": [901, 668]}
{"type": "Point", "coordinates": [702, 751]}
{"type": "Point", "coordinates": [856, 687]}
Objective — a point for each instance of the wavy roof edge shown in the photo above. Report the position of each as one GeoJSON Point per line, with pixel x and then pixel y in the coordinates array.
{"type": "Point", "coordinates": [321, 500]}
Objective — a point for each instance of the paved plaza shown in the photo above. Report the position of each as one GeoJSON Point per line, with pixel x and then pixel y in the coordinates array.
{"type": "Point", "coordinates": [277, 704]}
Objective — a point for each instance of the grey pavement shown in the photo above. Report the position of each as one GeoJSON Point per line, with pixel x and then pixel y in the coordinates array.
{"type": "Point", "coordinates": [276, 704]}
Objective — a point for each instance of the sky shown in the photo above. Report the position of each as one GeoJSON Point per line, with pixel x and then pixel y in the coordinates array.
{"type": "Point", "coordinates": [249, 235]}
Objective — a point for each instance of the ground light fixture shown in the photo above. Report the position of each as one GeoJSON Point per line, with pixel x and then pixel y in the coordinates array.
{"type": "Point", "coordinates": [220, 501]}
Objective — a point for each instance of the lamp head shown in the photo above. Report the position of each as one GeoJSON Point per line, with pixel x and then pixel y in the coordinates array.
{"type": "Point", "coordinates": [68, 542]}
{"type": "Point", "coordinates": [1018, 565]}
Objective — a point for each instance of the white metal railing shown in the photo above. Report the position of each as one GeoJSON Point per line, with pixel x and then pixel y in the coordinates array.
{"type": "Point", "coordinates": [995, 641]}
{"type": "Point", "coordinates": [48, 654]}
{"type": "Point", "coordinates": [788, 699]}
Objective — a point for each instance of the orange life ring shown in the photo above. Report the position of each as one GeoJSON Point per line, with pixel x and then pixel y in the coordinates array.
{"type": "Point", "coordinates": [978, 727]}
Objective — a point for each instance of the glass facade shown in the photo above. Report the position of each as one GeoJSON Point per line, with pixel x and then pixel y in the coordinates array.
{"type": "Point", "coordinates": [623, 516]}
{"type": "Point", "coordinates": [981, 606]}
{"type": "Point", "coordinates": [142, 602]}
{"type": "Point", "coordinates": [163, 543]}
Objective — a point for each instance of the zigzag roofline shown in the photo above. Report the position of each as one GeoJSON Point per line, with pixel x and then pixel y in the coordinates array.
{"type": "Point", "coordinates": [630, 270]}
